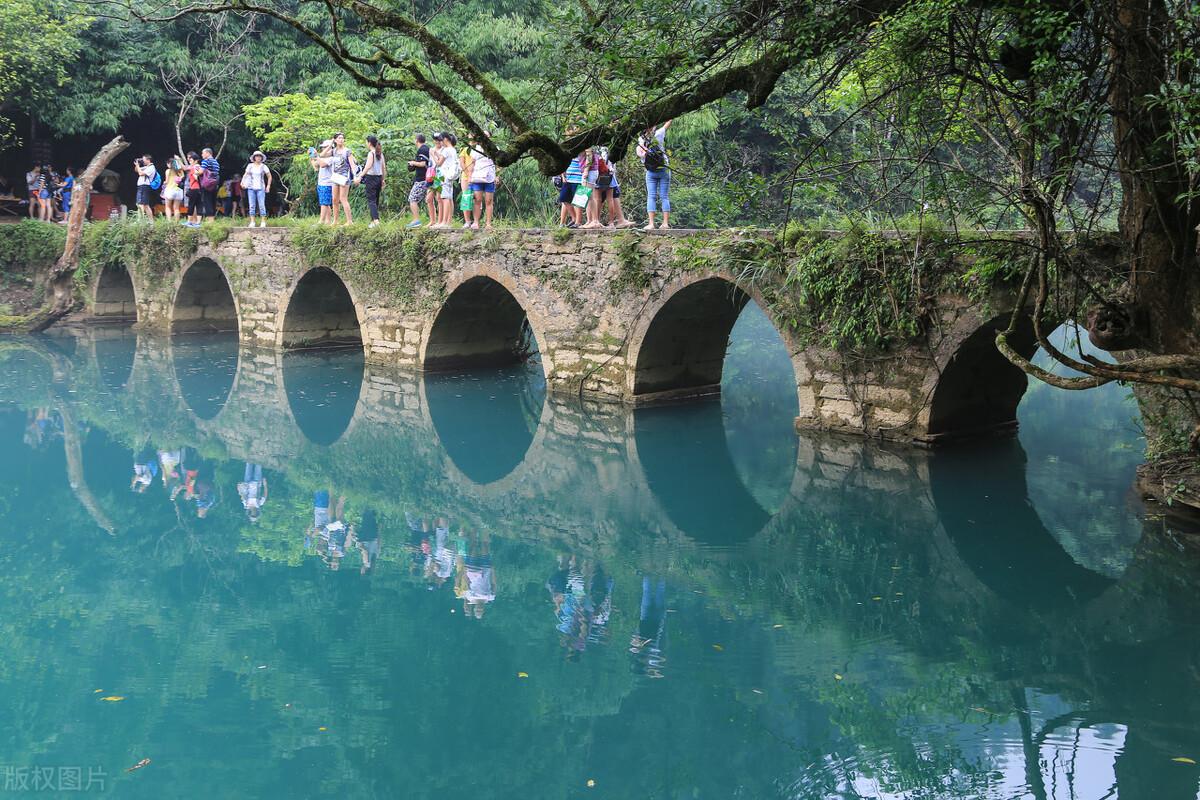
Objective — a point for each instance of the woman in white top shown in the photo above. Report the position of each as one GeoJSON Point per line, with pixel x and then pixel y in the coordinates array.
{"type": "Point", "coordinates": [372, 175]}
{"type": "Point", "coordinates": [344, 167]}
{"type": "Point", "coordinates": [448, 169]}
{"type": "Point", "coordinates": [484, 177]}
{"type": "Point", "coordinates": [256, 180]}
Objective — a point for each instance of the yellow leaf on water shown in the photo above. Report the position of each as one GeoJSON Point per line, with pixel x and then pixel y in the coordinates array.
{"type": "Point", "coordinates": [97, 691]}
{"type": "Point", "coordinates": [522, 674]}
{"type": "Point", "coordinates": [1183, 760]}
{"type": "Point", "coordinates": [591, 783]}
{"type": "Point", "coordinates": [718, 648]}
{"type": "Point", "coordinates": [876, 597]}
{"type": "Point", "coordinates": [837, 677]}
{"type": "Point", "coordinates": [322, 728]}
{"type": "Point", "coordinates": [777, 627]}
{"type": "Point", "coordinates": [113, 698]}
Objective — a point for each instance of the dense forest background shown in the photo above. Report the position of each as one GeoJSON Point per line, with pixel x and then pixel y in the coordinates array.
{"type": "Point", "coordinates": [820, 151]}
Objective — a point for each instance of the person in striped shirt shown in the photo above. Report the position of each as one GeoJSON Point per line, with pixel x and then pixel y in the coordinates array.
{"type": "Point", "coordinates": [208, 197]}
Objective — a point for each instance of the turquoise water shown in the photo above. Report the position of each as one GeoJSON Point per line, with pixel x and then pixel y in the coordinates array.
{"type": "Point", "coordinates": [549, 599]}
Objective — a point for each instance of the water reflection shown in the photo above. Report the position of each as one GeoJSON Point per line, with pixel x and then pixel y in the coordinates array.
{"type": "Point", "coordinates": [205, 367]}
{"type": "Point", "coordinates": [323, 386]}
{"type": "Point", "coordinates": [654, 604]}
{"type": "Point", "coordinates": [486, 420]}
{"type": "Point", "coordinates": [114, 359]}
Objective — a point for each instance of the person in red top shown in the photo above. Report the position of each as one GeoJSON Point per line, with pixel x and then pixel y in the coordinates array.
{"type": "Point", "coordinates": [192, 170]}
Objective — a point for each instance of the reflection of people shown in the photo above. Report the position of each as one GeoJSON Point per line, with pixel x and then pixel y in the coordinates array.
{"type": "Point", "coordinates": [197, 489]}
{"type": "Point", "coordinates": [336, 536]}
{"type": "Point", "coordinates": [43, 423]}
{"type": "Point", "coordinates": [648, 642]}
{"type": "Point", "coordinates": [169, 461]}
{"type": "Point", "coordinates": [476, 579]}
{"type": "Point", "coordinates": [145, 468]}
{"type": "Point", "coordinates": [367, 539]}
{"type": "Point", "coordinates": [440, 563]}
{"type": "Point", "coordinates": [321, 516]}
{"type": "Point", "coordinates": [253, 491]}
{"type": "Point", "coordinates": [418, 542]}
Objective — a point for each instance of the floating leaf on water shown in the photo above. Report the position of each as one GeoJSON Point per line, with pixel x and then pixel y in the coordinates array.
{"type": "Point", "coordinates": [718, 648]}
{"type": "Point", "coordinates": [877, 597]}
{"type": "Point", "coordinates": [139, 765]}
{"type": "Point", "coordinates": [262, 666]}
{"type": "Point", "coordinates": [97, 691]}
{"type": "Point", "coordinates": [837, 677]}
{"type": "Point", "coordinates": [113, 698]}
{"type": "Point", "coordinates": [980, 710]}
{"type": "Point", "coordinates": [1183, 760]}
{"type": "Point", "coordinates": [777, 626]}
{"type": "Point", "coordinates": [757, 691]}
{"type": "Point", "coordinates": [522, 674]}
{"type": "Point", "coordinates": [899, 594]}
{"type": "Point", "coordinates": [322, 728]}
{"type": "Point", "coordinates": [591, 783]}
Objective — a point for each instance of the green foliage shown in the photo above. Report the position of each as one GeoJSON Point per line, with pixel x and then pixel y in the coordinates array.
{"type": "Point", "coordinates": [292, 123]}
{"type": "Point", "coordinates": [390, 259]}
{"type": "Point", "coordinates": [632, 274]}
{"type": "Point", "coordinates": [153, 250]}
{"type": "Point", "coordinates": [30, 245]}
{"type": "Point", "coordinates": [41, 37]}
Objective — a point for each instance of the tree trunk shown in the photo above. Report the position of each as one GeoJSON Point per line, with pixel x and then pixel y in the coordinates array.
{"type": "Point", "coordinates": [62, 277]}
{"type": "Point", "coordinates": [1159, 229]}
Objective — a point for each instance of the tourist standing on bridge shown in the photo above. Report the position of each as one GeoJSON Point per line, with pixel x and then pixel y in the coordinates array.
{"type": "Point", "coordinates": [210, 181]}
{"type": "Point", "coordinates": [484, 177]}
{"type": "Point", "coordinates": [652, 150]}
{"type": "Point", "coordinates": [322, 164]}
{"type": "Point", "coordinates": [172, 193]}
{"type": "Point", "coordinates": [147, 175]}
{"type": "Point", "coordinates": [194, 193]}
{"type": "Point", "coordinates": [344, 167]}
{"type": "Point", "coordinates": [372, 176]}
{"type": "Point", "coordinates": [256, 181]}
{"type": "Point", "coordinates": [448, 170]}
{"type": "Point", "coordinates": [419, 165]}
{"type": "Point", "coordinates": [31, 189]}
{"type": "Point", "coordinates": [68, 186]}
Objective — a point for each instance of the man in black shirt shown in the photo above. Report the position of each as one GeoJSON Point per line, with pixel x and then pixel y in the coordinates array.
{"type": "Point", "coordinates": [418, 165]}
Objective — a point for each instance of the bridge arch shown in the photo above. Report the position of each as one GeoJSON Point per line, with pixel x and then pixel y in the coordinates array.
{"type": "Point", "coordinates": [678, 347]}
{"type": "Point", "coordinates": [319, 310]}
{"type": "Point", "coordinates": [115, 297]}
{"type": "Point", "coordinates": [484, 322]}
{"type": "Point", "coordinates": [204, 299]}
{"type": "Point", "coordinates": [973, 389]}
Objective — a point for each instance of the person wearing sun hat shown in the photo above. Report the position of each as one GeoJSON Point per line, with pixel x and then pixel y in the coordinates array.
{"type": "Point", "coordinates": [256, 180]}
{"type": "Point", "coordinates": [322, 163]}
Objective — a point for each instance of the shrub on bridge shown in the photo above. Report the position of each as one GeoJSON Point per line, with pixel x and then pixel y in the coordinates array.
{"type": "Point", "coordinates": [30, 246]}
{"type": "Point", "coordinates": [392, 260]}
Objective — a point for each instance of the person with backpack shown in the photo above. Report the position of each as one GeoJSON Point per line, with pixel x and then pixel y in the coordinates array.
{"type": "Point", "coordinates": [484, 177]}
{"type": "Point", "coordinates": [445, 157]}
{"type": "Point", "coordinates": [344, 167]}
{"type": "Point", "coordinates": [652, 150]}
{"type": "Point", "coordinates": [210, 181]}
{"type": "Point", "coordinates": [419, 165]}
{"type": "Point", "coordinates": [148, 183]}
{"type": "Point", "coordinates": [256, 182]}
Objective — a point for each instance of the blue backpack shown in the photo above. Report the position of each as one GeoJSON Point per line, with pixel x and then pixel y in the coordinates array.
{"type": "Point", "coordinates": [156, 181]}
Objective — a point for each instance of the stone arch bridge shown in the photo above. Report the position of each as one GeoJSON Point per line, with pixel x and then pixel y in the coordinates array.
{"type": "Point", "coordinates": [614, 318]}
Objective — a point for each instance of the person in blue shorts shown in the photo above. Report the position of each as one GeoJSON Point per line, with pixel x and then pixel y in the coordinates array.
{"type": "Point", "coordinates": [322, 162]}
{"type": "Point", "coordinates": [484, 177]}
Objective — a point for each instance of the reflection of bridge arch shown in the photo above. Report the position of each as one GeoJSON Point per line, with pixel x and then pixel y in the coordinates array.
{"type": "Point", "coordinates": [677, 348]}
{"type": "Point", "coordinates": [481, 322]}
{"type": "Point", "coordinates": [983, 506]}
{"type": "Point", "coordinates": [486, 438]}
{"type": "Point", "coordinates": [206, 368]}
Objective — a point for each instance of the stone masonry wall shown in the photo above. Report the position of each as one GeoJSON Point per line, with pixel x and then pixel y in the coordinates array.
{"type": "Point", "coordinates": [591, 300]}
